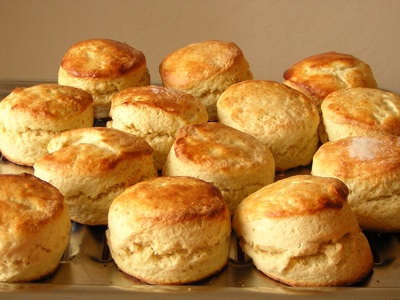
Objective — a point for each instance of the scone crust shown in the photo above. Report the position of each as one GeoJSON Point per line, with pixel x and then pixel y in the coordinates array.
{"type": "Point", "coordinates": [46, 106]}
{"type": "Point", "coordinates": [170, 230]}
{"type": "Point", "coordinates": [35, 228]}
{"type": "Point", "coordinates": [360, 112]}
{"type": "Point", "coordinates": [236, 162]}
{"type": "Point", "coordinates": [205, 70]}
{"type": "Point", "coordinates": [319, 75]}
{"type": "Point", "coordinates": [301, 231]}
{"type": "Point", "coordinates": [101, 58]}
{"type": "Point", "coordinates": [370, 167]}
{"type": "Point", "coordinates": [281, 117]}
{"type": "Point", "coordinates": [92, 166]}
{"type": "Point", "coordinates": [29, 117]}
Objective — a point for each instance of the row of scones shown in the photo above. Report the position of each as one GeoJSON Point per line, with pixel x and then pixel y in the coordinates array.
{"type": "Point", "coordinates": [177, 167]}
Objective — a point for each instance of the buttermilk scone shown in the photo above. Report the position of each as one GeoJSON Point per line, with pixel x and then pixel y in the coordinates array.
{"type": "Point", "coordinates": [30, 116]}
{"type": "Point", "coordinates": [361, 112]}
{"type": "Point", "coordinates": [103, 67]}
{"type": "Point", "coordinates": [282, 118]}
{"type": "Point", "coordinates": [234, 161]}
{"type": "Point", "coordinates": [155, 113]}
{"type": "Point", "coordinates": [370, 167]}
{"type": "Point", "coordinates": [91, 166]}
{"type": "Point", "coordinates": [301, 231]}
{"type": "Point", "coordinates": [34, 228]}
{"type": "Point", "coordinates": [170, 230]}
{"type": "Point", "coordinates": [205, 69]}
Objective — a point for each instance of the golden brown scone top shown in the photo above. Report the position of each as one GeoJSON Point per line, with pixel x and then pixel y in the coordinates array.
{"type": "Point", "coordinates": [27, 203]}
{"type": "Point", "coordinates": [171, 101]}
{"type": "Point", "coordinates": [295, 196]}
{"type": "Point", "coordinates": [47, 102]}
{"type": "Point", "coordinates": [169, 201]}
{"type": "Point", "coordinates": [101, 58]}
{"type": "Point", "coordinates": [195, 62]}
{"type": "Point", "coordinates": [368, 108]}
{"type": "Point", "coordinates": [219, 146]}
{"type": "Point", "coordinates": [321, 74]}
{"type": "Point", "coordinates": [368, 156]}
{"type": "Point", "coordinates": [92, 150]}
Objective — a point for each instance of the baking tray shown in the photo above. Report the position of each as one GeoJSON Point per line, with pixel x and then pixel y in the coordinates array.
{"type": "Point", "coordinates": [87, 270]}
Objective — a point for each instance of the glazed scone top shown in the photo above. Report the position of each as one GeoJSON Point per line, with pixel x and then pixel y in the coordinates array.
{"type": "Point", "coordinates": [92, 150]}
{"type": "Point", "coordinates": [367, 108]}
{"type": "Point", "coordinates": [27, 204]}
{"type": "Point", "coordinates": [194, 63]}
{"type": "Point", "coordinates": [166, 201]}
{"type": "Point", "coordinates": [266, 102]}
{"type": "Point", "coordinates": [162, 109]}
{"type": "Point", "coordinates": [44, 106]}
{"type": "Point", "coordinates": [366, 156]}
{"type": "Point", "coordinates": [321, 74]}
{"type": "Point", "coordinates": [220, 147]}
{"type": "Point", "coordinates": [299, 195]}
{"type": "Point", "coordinates": [101, 58]}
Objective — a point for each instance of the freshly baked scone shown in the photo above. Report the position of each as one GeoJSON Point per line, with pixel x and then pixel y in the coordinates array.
{"type": "Point", "coordinates": [91, 166]}
{"type": "Point", "coordinates": [280, 117]}
{"type": "Point", "coordinates": [319, 75]}
{"type": "Point", "coordinates": [170, 230]}
{"type": "Point", "coordinates": [103, 67]}
{"type": "Point", "coordinates": [34, 228]}
{"type": "Point", "coordinates": [370, 167]}
{"type": "Point", "coordinates": [30, 116]}
{"type": "Point", "coordinates": [361, 112]}
{"type": "Point", "coordinates": [205, 70]}
{"type": "Point", "coordinates": [234, 161]}
{"type": "Point", "coordinates": [301, 231]}
{"type": "Point", "coordinates": [155, 113]}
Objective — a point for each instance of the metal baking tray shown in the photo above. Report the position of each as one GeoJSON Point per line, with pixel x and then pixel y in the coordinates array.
{"type": "Point", "coordinates": [87, 270]}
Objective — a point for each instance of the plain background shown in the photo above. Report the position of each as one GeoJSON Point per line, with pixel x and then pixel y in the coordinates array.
{"type": "Point", "coordinates": [273, 35]}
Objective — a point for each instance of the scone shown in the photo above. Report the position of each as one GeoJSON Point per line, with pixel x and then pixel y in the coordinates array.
{"type": "Point", "coordinates": [103, 67]}
{"type": "Point", "coordinates": [319, 75]}
{"type": "Point", "coordinates": [361, 112]}
{"type": "Point", "coordinates": [235, 162]}
{"type": "Point", "coordinates": [282, 118]}
{"type": "Point", "coordinates": [34, 228]}
{"type": "Point", "coordinates": [30, 116]}
{"type": "Point", "coordinates": [301, 231]}
{"type": "Point", "coordinates": [170, 230]}
{"type": "Point", "coordinates": [370, 167]}
{"type": "Point", "coordinates": [92, 166]}
{"type": "Point", "coordinates": [155, 113]}
{"type": "Point", "coordinates": [205, 70]}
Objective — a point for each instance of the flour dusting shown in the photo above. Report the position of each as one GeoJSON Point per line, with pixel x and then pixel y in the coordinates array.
{"type": "Point", "coordinates": [363, 148]}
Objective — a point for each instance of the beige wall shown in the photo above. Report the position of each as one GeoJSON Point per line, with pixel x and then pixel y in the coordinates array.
{"type": "Point", "coordinates": [34, 34]}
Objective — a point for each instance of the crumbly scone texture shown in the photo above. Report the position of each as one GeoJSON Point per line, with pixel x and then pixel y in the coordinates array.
{"type": "Point", "coordinates": [301, 231]}
{"type": "Point", "coordinates": [155, 113]}
{"type": "Point", "coordinates": [30, 116]}
{"type": "Point", "coordinates": [234, 161]}
{"type": "Point", "coordinates": [91, 166]}
{"type": "Point", "coordinates": [205, 70]}
{"type": "Point", "coordinates": [34, 228]}
{"type": "Point", "coordinates": [103, 67]}
{"type": "Point", "coordinates": [280, 117]}
{"type": "Point", "coordinates": [370, 168]}
{"type": "Point", "coordinates": [170, 230]}
{"type": "Point", "coordinates": [361, 112]}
